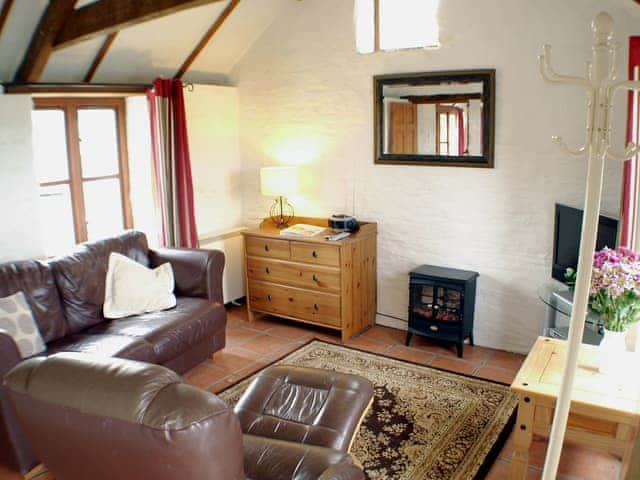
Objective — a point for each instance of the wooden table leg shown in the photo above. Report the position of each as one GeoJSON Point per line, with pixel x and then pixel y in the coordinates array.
{"type": "Point", "coordinates": [523, 436]}
{"type": "Point", "coordinates": [627, 435]}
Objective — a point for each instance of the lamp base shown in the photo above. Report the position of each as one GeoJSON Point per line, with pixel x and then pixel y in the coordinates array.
{"type": "Point", "coordinates": [281, 212]}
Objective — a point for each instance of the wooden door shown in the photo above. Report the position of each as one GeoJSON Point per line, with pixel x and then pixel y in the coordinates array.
{"type": "Point", "coordinates": [403, 131]}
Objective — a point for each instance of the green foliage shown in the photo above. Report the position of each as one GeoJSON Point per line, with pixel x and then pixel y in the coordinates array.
{"type": "Point", "coordinates": [618, 313]}
{"type": "Point", "coordinates": [570, 276]}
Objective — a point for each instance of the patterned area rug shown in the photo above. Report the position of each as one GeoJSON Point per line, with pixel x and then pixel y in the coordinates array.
{"type": "Point", "coordinates": [424, 424]}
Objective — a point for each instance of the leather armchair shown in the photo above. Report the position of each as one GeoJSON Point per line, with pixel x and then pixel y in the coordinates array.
{"type": "Point", "coordinates": [110, 419]}
{"type": "Point", "coordinates": [268, 459]}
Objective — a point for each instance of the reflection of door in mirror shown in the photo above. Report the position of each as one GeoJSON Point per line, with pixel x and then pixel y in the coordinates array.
{"type": "Point", "coordinates": [403, 138]}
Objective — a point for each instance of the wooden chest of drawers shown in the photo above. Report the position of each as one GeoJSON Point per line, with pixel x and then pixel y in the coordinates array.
{"type": "Point", "coordinates": [312, 280]}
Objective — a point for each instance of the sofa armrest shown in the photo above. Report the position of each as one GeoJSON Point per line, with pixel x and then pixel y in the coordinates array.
{"type": "Point", "coordinates": [268, 459]}
{"type": "Point", "coordinates": [9, 353]}
{"type": "Point", "coordinates": [197, 272]}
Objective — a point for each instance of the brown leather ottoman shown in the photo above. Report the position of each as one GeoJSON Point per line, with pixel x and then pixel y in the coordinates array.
{"type": "Point", "coordinates": [305, 405]}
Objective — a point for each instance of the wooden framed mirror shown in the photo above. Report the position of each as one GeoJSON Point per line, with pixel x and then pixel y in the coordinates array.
{"type": "Point", "coordinates": [435, 118]}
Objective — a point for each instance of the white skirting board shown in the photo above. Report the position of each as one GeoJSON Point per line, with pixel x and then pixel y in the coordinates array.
{"type": "Point", "coordinates": [231, 242]}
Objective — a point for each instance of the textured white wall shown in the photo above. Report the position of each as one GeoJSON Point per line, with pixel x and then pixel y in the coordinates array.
{"type": "Point", "coordinates": [20, 236]}
{"type": "Point", "coordinates": [212, 123]}
{"type": "Point", "coordinates": [141, 177]}
{"type": "Point", "coordinates": [306, 97]}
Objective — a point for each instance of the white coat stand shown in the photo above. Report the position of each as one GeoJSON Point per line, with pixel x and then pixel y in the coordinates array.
{"type": "Point", "coordinates": [600, 85]}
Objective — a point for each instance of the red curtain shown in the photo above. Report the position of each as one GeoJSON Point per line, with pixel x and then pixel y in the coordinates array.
{"type": "Point", "coordinates": [172, 164]}
{"type": "Point", "coordinates": [462, 134]}
{"type": "Point", "coordinates": [630, 195]}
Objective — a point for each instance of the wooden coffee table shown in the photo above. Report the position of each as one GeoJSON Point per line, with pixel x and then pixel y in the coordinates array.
{"type": "Point", "coordinates": [605, 410]}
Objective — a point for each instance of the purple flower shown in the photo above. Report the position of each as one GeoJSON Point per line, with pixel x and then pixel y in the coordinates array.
{"type": "Point", "coordinates": [615, 272]}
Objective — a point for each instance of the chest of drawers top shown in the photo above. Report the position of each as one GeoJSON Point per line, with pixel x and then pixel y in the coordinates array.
{"type": "Point", "coordinates": [266, 241]}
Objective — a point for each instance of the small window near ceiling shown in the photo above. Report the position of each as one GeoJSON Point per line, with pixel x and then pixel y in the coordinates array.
{"type": "Point", "coordinates": [396, 24]}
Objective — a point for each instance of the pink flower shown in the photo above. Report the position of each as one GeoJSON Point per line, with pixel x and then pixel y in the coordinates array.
{"type": "Point", "coordinates": [615, 272]}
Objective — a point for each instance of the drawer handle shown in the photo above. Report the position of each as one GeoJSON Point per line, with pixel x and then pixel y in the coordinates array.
{"type": "Point", "coordinates": [291, 299]}
{"type": "Point", "coordinates": [314, 254]}
{"type": "Point", "coordinates": [433, 328]}
{"type": "Point", "coordinates": [314, 277]}
{"type": "Point", "coordinates": [269, 297]}
{"type": "Point", "coordinates": [316, 307]}
{"type": "Point", "coordinates": [266, 248]}
{"type": "Point", "coordinates": [267, 269]}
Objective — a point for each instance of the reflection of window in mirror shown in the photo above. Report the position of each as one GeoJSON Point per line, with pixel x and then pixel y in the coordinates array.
{"type": "Point", "coordinates": [396, 24]}
{"type": "Point", "coordinates": [452, 134]}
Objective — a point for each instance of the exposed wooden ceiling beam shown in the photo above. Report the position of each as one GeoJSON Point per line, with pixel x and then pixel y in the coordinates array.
{"type": "Point", "coordinates": [75, 88]}
{"type": "Point", "coordinates": [444, 98]}
{"type": "Point", "coordinates": [206, 38]}
{"type": "Point", "coordinates": [99, 57]}
{"type": "Point", "coordinates": [108, 16]}
{"type": "Point", "coordinates": [4, 13]}
{"type": "Point", "coordinates": [41, 45]}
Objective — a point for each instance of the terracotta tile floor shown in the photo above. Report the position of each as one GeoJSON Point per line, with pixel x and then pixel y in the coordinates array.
{"type": "Point", "coordinates": [250, 347]}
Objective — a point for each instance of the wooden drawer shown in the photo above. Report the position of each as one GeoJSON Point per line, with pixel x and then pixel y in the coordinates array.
{"type": "Point", "coordinates": [317, 307]}
{"type": "Point", "coordinates": [295, 274]}
{"type": "Point", "coordinates": [267, 247]}
{"type": "Point", "coordinates": [315, 253]}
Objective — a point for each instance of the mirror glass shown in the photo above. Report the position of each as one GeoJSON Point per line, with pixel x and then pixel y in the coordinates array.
{"type": "Point", "coordinates": [442, 118]}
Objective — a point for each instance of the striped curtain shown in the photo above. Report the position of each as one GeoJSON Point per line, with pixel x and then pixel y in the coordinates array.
{"type": "Point", "coordinates": [172, 164]}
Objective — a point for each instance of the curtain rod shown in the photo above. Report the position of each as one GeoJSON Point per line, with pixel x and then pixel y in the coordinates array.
{"type": "Point", "coordinates": [133, 88]}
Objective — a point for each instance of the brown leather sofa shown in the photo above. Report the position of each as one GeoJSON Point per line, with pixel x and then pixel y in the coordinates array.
{"type": "Point", "coordinates": [66, 296]}
{"type": "Point", "coordinates": [122, 420]}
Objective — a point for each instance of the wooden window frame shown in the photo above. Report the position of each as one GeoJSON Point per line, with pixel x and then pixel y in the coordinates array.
{"type": "Point", "coordinates": [448, 110]}
{"type": "Point", "coordinates": [70, 107]}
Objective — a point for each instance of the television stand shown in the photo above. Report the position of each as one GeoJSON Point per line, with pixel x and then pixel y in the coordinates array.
{"type": "Point", "coordinates": [558, 299]}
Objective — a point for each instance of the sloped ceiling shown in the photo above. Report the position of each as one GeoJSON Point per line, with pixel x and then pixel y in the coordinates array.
{"type": "Point", "coordinates": [143, 52]}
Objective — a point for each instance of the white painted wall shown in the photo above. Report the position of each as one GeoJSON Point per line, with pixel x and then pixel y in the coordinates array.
{"type": "Point", "coordinates": [475, 127]}
{"type": "Point", "coordinates": [20, 236]}
{"type": "Point", "coordinates": [426, 128]}
{"type": "Point", "coordinates": [212, 123]}
{"type": "Point", "coordinates": [306, 98]}
{"type": "Point", "coordinates": [141, 179]}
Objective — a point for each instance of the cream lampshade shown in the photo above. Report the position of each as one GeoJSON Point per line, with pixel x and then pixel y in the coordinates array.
{"type": "Point", "coordinates": [279, 182]}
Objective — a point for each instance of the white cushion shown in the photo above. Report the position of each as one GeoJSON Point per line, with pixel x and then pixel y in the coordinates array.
{"type": "Point", "coordinates": [17, 319]}
{"type": "Point", "coordinates": [132, 288]}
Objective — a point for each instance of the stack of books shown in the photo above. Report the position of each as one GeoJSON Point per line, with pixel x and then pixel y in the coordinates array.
{"type": "Point", "coordinates": [302, 230]}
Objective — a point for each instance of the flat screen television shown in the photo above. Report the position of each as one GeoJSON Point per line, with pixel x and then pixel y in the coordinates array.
{"type": "Point", "coordinates": [566, 240]}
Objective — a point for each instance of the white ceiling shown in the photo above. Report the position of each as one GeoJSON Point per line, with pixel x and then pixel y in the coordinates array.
{"type": "Point", "coordinates": [148, 50]}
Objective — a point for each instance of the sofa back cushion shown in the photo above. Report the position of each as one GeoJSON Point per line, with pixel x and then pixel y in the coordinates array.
{"type": "Point", "coordinates": [35, 279]}
{"type": "Point", "coordinates": [81, 276]}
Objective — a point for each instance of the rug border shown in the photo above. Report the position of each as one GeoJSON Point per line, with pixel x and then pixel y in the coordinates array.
{"type": "Point", "coordinates": [492, 455]}
{"type": "Point", "coordinates": [315, 339]}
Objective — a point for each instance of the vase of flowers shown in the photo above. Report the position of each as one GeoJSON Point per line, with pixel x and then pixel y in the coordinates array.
{"type": "Point", "coordinates": [615, 296]}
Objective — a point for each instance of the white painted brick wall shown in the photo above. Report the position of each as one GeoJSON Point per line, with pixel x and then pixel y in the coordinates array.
{"type": "Point", "coordinates": [306, 96]}
{"type": "Point", "coordinates": [20, 234]}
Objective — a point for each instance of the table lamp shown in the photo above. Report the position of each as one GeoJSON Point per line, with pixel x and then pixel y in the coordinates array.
{"type": "Point", "coordinates": [279, 182]}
